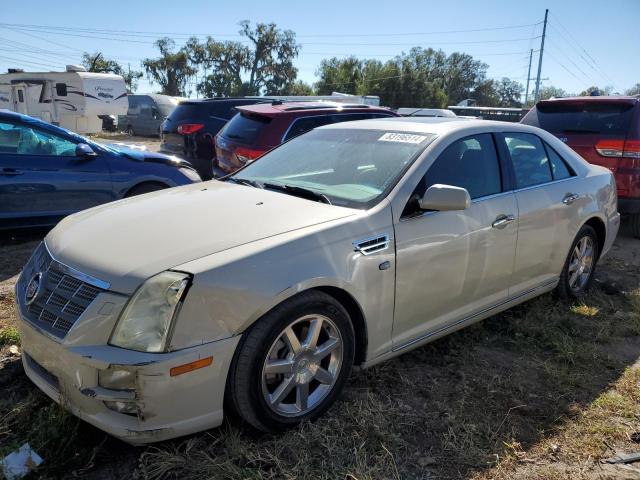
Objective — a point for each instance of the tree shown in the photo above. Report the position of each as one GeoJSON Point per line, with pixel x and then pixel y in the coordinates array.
{"type": "Point", "coordinates": [635, 90]}
{"type": "Point", "coordinates": [264, 67]}
{"type": "Point", "coordinates": [171, 70]}
{"type": "Point", "coordinates": [509, 93]}
{"type": "Point", "coordinates": [551, 92]}
{"type": "Point", "coordinates": [594, 90]}
{"type": "Point", "coordinates": [96, 62]}
{"type": "Point", "coordinates": [485, 94]}
{"type": "Point", "coordinates": [300, 88]}
{"type": "Point", "coordinates": [339, 74]}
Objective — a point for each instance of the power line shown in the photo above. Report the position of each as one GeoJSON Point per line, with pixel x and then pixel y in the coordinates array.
{"type": "Point", "coordinates": [581, 48]}
{"type": "Point", "coordinates": [143, 33]}
{"type": "Point", "coordinates": [29, 62]}
{"type": "Point", "coordinates": [118, 39]}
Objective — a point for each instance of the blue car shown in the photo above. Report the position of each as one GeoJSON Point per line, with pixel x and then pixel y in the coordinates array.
{"type": "Point", "coordinates": [47, 172]}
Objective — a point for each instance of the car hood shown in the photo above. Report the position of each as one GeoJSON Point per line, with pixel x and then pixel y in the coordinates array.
{"type": "Point", "coordinates": [141, 154]}
{"type": "Point", "coordinates": [125, 242]}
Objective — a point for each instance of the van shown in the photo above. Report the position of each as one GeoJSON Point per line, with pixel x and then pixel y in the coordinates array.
{"type": "Point", "coordinates": [146, 113]}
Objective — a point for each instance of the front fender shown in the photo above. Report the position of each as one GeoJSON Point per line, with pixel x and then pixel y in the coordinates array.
{"type": "Point", "coordinates": [232, 290]}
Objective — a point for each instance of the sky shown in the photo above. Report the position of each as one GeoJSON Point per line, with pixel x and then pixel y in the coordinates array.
{"type": "Point", "coordinates": [587, 43]}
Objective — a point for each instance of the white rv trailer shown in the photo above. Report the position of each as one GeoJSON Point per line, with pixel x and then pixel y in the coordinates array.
{"type": "Point", "coordinates": [71, 99]}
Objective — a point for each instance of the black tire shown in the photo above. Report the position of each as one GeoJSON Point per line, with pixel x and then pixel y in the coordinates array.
{"type": "Point", "coordinates": [564, 288]}
{"type": "Point", "coordinates": [634, 221]}
{"type": "Point", "coordinates": [146, 187]}
{"type": "Point", "coordinates": [244, 385]}
{"type": "Point", "coordinates": [130, 131]}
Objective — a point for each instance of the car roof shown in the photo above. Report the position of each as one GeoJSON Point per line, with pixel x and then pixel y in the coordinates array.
{"type": "Point", "coordinates": [281, 107]}
{"type": "Point", "coordinates": [431, 125]}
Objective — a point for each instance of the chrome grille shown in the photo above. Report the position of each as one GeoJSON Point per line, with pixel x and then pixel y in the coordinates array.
{"type": "Point", "coordinates": [64, 298]}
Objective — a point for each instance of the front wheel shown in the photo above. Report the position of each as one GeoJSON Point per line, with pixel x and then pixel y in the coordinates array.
{"type": "Point", "coordinates": [580, 265]}
{"type": "Point", "coordinates": [293, 363]}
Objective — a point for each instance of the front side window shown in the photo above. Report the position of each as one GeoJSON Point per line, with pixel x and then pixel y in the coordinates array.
{"type": "Point", "coordinates": [470, 163]}
{"type": "Point", "coordinates": [20, 139]}
{"type": "Point", "coordinates": [350, 167]}
{"type": "Point", "coordinates": [530, 161]}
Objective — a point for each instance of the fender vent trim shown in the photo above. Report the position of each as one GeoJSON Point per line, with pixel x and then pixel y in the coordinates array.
{"type": "Point", "coordinates": [367, 246]}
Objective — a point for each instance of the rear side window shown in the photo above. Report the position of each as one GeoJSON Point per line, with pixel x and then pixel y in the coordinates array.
{"type": "Point", "coordinates": [304, 124]}
{"type": "Point", "coordinates": [530, 161]}
{"type": "Point", "coordinates": [187, 111]}
{"type": "Point", "coordinates": [245, 127]}
{"type": "Point", "coordinates": [470, 163]}
{"type": "Point", "coordinates": [582, 117]}
{"type": "Point", "coordinates": [559, 167]}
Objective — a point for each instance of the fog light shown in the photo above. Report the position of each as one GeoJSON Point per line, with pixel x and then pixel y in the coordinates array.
{"type": "Point", "coordinates": [117, 379]}
{"type": "Point", "coordinates": [129, 408]}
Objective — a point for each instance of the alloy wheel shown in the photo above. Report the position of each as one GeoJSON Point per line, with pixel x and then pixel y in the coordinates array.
{"type": "Point", "coordinates": [581, 264]}
{"type": "Point", "coordinates": [302, 365]}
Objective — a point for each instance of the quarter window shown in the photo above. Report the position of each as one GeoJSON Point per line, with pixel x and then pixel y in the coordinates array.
{"type": "Point", "coordinates": [530, 161]}
{"type": "Point", "coordinates": [559, 168]}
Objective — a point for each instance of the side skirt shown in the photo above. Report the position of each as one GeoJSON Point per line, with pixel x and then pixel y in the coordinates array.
{"type": "Point", "coordinates": [476, 317]}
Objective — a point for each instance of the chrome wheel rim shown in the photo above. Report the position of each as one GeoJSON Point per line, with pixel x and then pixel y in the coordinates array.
{"type": "Point", "coordinates": [302, 365]}
{"type": "Point", "coordinates": [581, 264]}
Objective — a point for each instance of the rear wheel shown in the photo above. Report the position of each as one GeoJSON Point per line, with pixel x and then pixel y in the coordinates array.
{"type": "Point", "coordinates": [145, 188]}
{"type": "Point", "coordinates": [293, 363]}
{"type": "Point", "coordinates": [580, 265]}
{"type": "Point", "coordinates": [130, 131]}
{"type": "Point", "coordinates": [634, 220]}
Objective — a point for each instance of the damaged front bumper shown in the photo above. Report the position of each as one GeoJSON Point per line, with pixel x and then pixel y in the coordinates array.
{"type": "Point", "coordinates": [155, 406]}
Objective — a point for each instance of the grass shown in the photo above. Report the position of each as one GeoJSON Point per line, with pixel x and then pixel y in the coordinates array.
{"type": "Point", "coordinates": [544, 390]}
{"type": "Point", "coordinates": [9, 336]}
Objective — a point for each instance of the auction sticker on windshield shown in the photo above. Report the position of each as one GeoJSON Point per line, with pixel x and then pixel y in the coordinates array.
{"type": "Point", "coordinates": [401, 137]}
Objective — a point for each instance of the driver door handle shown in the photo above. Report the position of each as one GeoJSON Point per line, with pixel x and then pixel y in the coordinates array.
{"type": "Point", "coordinates": [569, 198]}
{"type": "Point", "coordinates": [502, 221]}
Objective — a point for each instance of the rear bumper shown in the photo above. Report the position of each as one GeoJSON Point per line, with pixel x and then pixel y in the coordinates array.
{"type": "Point", "coordinates": [629, 205]}
{"type": "Point", "coordinates": [167, 406]}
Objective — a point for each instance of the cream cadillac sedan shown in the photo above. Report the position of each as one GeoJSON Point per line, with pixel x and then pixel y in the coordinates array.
{"type": "Point", "coordinates": [152, 316]}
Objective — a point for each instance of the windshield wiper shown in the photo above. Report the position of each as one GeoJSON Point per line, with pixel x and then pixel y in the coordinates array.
{"type": "Point", "coordinates": [298, 191]}
{"type": "Point", "coordinates": [244, 181]}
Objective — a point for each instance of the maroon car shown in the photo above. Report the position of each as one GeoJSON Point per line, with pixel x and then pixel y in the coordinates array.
{"type": "Point", "coordinates": [604, 131]}
{"type": "Point", "coordinates": [258, 128]}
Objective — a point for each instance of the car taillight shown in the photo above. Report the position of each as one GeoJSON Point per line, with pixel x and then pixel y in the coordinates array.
{"type": "Point", "coordinates": [246, 155]}
{"type": "Point", "coordinates": [189, 128]}
{"type": "Point", "coordinates": [619, 148]}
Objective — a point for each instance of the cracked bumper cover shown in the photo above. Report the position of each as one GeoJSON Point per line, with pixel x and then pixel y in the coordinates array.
{"type": "Point", "coordinates": [167, 406]}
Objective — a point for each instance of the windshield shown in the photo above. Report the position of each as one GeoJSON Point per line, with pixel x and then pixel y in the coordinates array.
{"type": "Point", "coordinates": [349, 167]}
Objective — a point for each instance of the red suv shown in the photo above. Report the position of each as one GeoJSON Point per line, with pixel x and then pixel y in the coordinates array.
{"type": "Point", "coordinates": [604, 131]}
{"type": "Point", "coordinates": [258, 128]}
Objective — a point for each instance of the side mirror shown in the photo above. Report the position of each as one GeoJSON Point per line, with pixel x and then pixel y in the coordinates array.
{"type": "Point", "coordinates": [84, 151]}
{"type": "Point", "coordinates": [445, 197]}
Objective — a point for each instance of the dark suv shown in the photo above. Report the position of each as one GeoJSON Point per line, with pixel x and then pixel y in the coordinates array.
{"type": "Point", "coordinates": [258, 128]}
{"type": "Point", "coordinates": [604, 131]}
{"type": "Point", "coordinates": [189, 130]}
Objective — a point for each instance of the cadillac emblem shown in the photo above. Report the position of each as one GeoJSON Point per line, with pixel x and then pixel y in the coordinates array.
{"type": "Point", "coordinates": [33, 288]}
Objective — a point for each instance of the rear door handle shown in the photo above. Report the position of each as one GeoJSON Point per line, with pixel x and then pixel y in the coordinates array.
{"type": "Point", "coordinates": [502, 221]}
{"type": "Point", "coordinates": [9, 172]}
{"type": "Point", "coordinates": [569, 198]}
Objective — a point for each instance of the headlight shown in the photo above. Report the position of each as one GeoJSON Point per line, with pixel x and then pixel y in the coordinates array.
{"type": "Point", "coordinates": [190, 174]}
{"type": "Point", "coordinates": [146, 320]}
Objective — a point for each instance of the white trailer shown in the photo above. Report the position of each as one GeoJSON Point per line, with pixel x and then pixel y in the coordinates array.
{"type": "Point", "coordinates": [71, 99]}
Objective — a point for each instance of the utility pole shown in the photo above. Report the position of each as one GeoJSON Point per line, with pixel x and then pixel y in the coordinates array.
{"type": "Point", "coordinates": [526, 93]}
{"type": "Point", "coordinates": [544, 32]}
